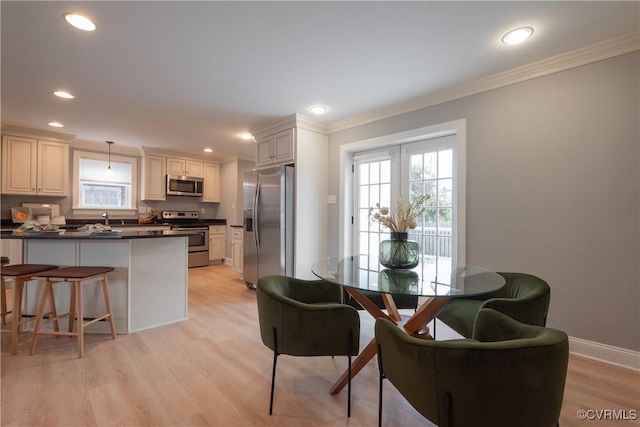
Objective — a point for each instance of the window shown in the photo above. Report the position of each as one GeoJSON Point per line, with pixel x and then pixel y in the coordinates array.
{"type": "Point", "coordinates": [93, 189]}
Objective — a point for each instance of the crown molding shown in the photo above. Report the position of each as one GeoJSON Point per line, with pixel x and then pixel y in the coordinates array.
{"type": "Point", "coordinates": [146, 150]}
{"type": "Point", "coordinates": [554, 64]}
{"type": "Point", "coordinates": [101, 147]}
{"type": "Point", "coordinates": [37, 133]}
{"type": "Point", "coordinates": [289, 122]}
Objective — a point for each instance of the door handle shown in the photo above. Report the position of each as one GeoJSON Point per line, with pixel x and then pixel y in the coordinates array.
{"type": "Point", "coordinates": [256, 219]}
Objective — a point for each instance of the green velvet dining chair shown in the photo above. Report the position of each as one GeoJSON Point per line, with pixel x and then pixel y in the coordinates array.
{"type": "Point", "coordinates": [508, 374]}
{"type": "Point", "coordinates": [306, 318]}
{"type": "Point", "coordinates": [524, 297]}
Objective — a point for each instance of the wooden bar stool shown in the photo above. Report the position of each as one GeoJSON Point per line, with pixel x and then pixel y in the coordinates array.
{"type": "Point", "coordinates": [20, 274]}
{"type": "Point", "coordinates": [76, 276]}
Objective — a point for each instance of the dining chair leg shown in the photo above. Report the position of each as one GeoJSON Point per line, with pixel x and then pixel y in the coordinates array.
{"type": "Point", "coordinates": [448, 403]}
{"type": "Point", "coordinates": [349, 350]}
{"type": "Point", "coordinates": [381, 371]}
{"type": "Point", "coordinates": [273, 373]}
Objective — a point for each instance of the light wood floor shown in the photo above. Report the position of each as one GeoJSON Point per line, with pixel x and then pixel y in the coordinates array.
{"type": "Point", "coordinates": [213, 370]}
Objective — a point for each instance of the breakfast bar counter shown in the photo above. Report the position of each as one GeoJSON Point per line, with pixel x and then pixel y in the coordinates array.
{"type": "Point", "coordinates": [148, 288]}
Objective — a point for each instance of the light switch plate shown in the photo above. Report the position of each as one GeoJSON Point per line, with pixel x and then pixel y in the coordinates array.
{"type": "Point", "coordinates": [331, 199]}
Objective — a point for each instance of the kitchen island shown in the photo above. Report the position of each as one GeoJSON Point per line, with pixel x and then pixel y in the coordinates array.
{"type": "Point", "coordinates": [148, 288]}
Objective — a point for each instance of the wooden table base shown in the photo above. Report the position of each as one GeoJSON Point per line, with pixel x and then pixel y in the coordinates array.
{"type": "Point", "coordinates": [414, 326]}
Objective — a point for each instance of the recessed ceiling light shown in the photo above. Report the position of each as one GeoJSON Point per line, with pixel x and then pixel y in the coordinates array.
{"type": "Point", "coordinates": [318, 109]}
{"type": "Point", "coordinates": [246, 136]}
{"type": "Point", "coordinates": [208, 150]}
{"type": "Point", "coordinates": [63, 94]}
{"type": "Point", "coordinates": [518, 35]}
{"type": "Point", "coordinates": [56, 124]}
{"type": "Point", "coordinates": [80, 22]}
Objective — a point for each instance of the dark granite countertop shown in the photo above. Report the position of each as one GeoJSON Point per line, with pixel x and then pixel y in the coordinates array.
{"type": "Point", "coordinates": [85, 235]}
{"type": "Point", "coordinates": [73, 224]}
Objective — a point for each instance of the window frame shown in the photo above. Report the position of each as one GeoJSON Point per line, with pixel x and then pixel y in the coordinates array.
{"type": "Point", "coordinates": [132, 161]}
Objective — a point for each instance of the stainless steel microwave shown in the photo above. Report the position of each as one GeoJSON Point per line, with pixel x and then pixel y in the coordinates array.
{"type": "Point", "coordinates": [181, 185]}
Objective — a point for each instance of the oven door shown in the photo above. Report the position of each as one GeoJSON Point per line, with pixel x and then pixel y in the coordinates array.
{"type": "Point", "coordinates": [198, 237]}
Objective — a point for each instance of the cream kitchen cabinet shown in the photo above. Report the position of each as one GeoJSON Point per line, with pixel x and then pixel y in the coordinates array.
{"type": "Point", "coordinates": [211, 183]}
{"type": "Point", "coordinates": [216, 243]}
{"type": "Point", "coordinates": [237, 252]}
{"type": "Point", "coordinates": [277, 149]}
{"type": "Point", "coordinates": [154, 171]}
{"type": "Point", "coordinates": [185, 167]}
{"type": "Point", "coordinates": [34, 166]}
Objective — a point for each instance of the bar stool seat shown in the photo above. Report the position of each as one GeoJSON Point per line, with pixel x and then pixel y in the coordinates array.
{"type": "Point", "coordinates": [20, 274]}
{"type": "Point", "coordinates": [76, 276]}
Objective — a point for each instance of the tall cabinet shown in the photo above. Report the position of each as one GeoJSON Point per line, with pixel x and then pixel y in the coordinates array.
{"type": "Point", "coordinates": [301, 141]}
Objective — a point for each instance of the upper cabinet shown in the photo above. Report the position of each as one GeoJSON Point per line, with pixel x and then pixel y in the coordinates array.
{"type": "Point", "coordinates": [185, 167]}
{"type": "Point", "coordinates": [211, 183]}
{"type": "Point", "coordinates": [154, 172]}
{"type": "Point", "coordinates": [34, 166]}
{"type": "Point", "coordinates": [277, 149]}
{"type": "Point", "coordinates": [156, 166]}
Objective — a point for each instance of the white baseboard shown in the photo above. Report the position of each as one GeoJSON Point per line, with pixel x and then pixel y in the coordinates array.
{"type": "Point", "coordinates": [605, 353]}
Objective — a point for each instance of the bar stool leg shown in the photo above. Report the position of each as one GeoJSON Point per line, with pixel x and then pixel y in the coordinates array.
{"type": "Point", "coordinates": [52, 309]}
{"type": "Point", "coordinates": [107, 303]}
{"type": "Point", "coordinates": [4, 301]}
{"type": "Point", "coordinates": [18, 286]}
{"type": "Point", "coordinates": [78, 287]}
{"type": "Point", "coordinates": [72, 307]}
{"type": "Point", "coordinates": [43, 298]}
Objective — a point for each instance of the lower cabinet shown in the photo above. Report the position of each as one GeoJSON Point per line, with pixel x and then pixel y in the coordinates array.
{"type": "Point", "coordinates": [216, 243]}
{"type": "Point", "coordinates": [12, 248]}
{"type": "Point", "coordinates": [236, 249]}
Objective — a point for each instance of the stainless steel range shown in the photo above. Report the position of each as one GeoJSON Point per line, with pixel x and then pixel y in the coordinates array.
{"type": "Point", "coordinates": [188, 223]}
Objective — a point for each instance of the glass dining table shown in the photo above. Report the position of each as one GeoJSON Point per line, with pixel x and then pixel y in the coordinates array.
{"type": "Point", "coordinates": [436, 284]}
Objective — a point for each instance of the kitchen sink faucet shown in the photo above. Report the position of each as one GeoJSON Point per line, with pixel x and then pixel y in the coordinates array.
{"type": "Point", "coordinates": [106, 217]}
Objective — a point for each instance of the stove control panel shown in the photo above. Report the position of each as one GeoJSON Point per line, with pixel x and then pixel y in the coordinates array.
{"type": "Point", "coordinates": [186, 215]}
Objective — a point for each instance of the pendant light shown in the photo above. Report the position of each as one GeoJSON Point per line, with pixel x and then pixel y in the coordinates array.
{"type": "Point", "coordinates": [109, 172]}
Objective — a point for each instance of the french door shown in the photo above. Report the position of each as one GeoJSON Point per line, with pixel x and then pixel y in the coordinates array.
{"type": "Point", "coordinates": [410, 170]}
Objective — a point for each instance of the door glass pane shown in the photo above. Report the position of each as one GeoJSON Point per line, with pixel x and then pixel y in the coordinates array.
{"type": "Point", "coordinates": [385, 171]}
{"type": "Point", "coordinates": [445, 164]}
{"type": "Point", "coordinates": [430, 165]}
{"type": "Point", "coordinates": [374, 171]}
{"type": "Point", "coordinates": [364, 173]}
{"type": "Point", "coordinates": [445, 192]}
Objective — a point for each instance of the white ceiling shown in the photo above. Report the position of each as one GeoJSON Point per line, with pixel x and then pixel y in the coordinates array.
{"type": "Point", "coordinates": [183, 76]}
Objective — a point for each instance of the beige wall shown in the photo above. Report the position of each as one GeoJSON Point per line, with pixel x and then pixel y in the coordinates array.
{"type": "Point", "coordinates": [553, 189]}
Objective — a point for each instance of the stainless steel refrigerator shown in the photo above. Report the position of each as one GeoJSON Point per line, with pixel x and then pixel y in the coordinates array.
{"type": "Point", "coordinates": [268, 223]}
